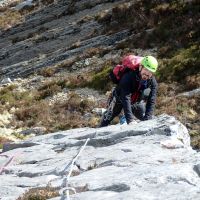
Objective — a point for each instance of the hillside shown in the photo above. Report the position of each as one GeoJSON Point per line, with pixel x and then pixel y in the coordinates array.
{"type": "Point", "coordinates": [53, 50]}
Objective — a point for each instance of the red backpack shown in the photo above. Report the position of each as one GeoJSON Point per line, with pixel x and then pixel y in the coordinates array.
{"type": "Point", "coordinates": [130, 62]}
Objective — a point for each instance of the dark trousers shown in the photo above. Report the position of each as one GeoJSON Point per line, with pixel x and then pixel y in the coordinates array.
{"type": "Point", "coordinates": [115, 107]}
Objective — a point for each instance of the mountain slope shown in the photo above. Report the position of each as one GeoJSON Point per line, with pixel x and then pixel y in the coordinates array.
{"type": "Point", "coordinates": [67, 45]}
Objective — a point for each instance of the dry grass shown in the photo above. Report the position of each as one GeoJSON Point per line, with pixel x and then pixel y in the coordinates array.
{"type": "Point", "coordinates": [94, 51]}
{"type": "Point", "coordinates": [40, 194]}
{"type": "Point", "coordinates": [3, 140]}
{"type": "Point", "coordinates": [66, 64]}
{"type": "Point", "coordinates": [125, 15]}
{"type": "Point", "coordinates": [50, 88]}
{"type": "Point", "coordinates": [75, 81]}
{"type": "Point", "coordinates": [184, 62]}
{"type": "Point", "coordinates": [33, 34]}
{"type": "Point", "coordinates": [75, 45]}
{"type": "Point", "coordinates": [195, 141]}
{"type": "Point", "coordinates": [59, 116]}
{"type": "Point", "coordinates": [43, 193]}
{"type": "Point", "coordinates": [192, 82]}
{"type": "Point", "coordinates": [184, 109]}
{"type": "Point", "coordinates": [10, 18]}
{"type": "Point", "coordinates": [33, 109]}
{"type": "Point", "coordinates": [85, 19]}
{"type": "Point", "coordinates": [71, 9]}
{"type": "Point", "coordinates": [47, 72]}
{"type": "Point", "coordinates": [11, 97]}
{"type": "Point", "coordinates": [32, 115]}
{"type": "Point", "coordinates": [168, 101]}
{"type": "Point", "coordinates": [92, 166]}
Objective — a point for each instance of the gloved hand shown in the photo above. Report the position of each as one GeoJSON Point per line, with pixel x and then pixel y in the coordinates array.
{"type": "Point", "coordinates": [146, 118]}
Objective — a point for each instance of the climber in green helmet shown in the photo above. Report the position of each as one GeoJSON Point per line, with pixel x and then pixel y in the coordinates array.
{"type": "Point", "coordinates": [150, 63]}
{"type": "Point", "coordinates": [135, 92]}
{"type": "Point", "coordinates": [148, 66]}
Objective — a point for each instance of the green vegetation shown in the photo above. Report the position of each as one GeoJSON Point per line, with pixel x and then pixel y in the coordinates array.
{"type": "Point", "coordinates": [33, 109]}
{"type": "Point", "coordinates": [175, 32]}
{"type": "Point", "coordinates": [176, 23]}
{"type": "Point", "coordinates": [185, 62]}
{"type": "Point", "coordinates": [12, 97]}
{"type": "Point", "coordinates": [178, 42]}
{"type": "Point", "coordinates": [19, 136]}
{"type": "Point", "coordinates": [100, 80]}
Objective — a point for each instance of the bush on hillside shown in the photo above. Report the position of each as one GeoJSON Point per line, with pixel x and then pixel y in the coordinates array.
{"type": "Point", "coordinates": [184, 62]}
{"type": "Point", "coordinates": [59, 116]}
{"type": "Point", "coordinates": [10, 18]}
{"type": "Point", "coordinates": [10, 97]}
{"type": "Point", "coordinates": [100, 80]}
{"type": "Point", "coordinates": [3, 140]}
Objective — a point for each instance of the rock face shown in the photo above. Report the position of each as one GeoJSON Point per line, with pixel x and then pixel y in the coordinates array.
{"type": "Point", "coordinates": [119, 162]}
{"type": "Point", "coordinates": [53, 34]}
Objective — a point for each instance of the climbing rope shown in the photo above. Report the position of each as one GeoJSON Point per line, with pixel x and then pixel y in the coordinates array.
{"type": "Point", "coordinates": [64, 192]}
{"type": "Point", "coordinates": [10, 159]}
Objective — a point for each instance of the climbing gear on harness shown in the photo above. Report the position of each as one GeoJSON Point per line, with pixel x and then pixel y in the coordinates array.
{"type": "Point", "coordinates": [110, 105]}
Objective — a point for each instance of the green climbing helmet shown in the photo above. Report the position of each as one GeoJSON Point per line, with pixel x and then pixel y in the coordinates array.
{"type": "Point", "coordinates": [150, 63]}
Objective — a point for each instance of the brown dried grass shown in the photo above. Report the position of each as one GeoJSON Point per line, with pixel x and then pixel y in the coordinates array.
{"type": "Point", "coordinates": [42, 193]}
{"type": "Point", "coordinates": [10, 18]}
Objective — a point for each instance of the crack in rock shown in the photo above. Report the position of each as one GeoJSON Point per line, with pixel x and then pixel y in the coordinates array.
{"type": "Point", "coordinates": [11, 146]}
{"type": "Point", "coordinates": [23, 186]}
{"type": "Point", "coordinates": [121, 187]}
{"type": "Point", "coordinates": [107, 163]}
{"type": "Point", "coordinates": [112, 139]}
{"type": "Point", "coordinates": [62, 147]}
{"type": "Point", "coordinates": [180, 179]}
{"type": "Point", "coordinates": [29, 174]}
{"type": "Point", "coordinates": [29, 162]}
{"type": "Point", "coordinates": [126, 150]}
{"type": "Point", "coordinates": [34, 161]}
{"type": "Point", "coordinates": [104, 142]}
{"type": "Point", "coordinates": [58, 136]}
{"type": "Point", "coordinates": [196, 168]}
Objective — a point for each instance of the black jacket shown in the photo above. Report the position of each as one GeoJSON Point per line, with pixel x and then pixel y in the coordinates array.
{"type": "Point", "coordinates": [130, 84]}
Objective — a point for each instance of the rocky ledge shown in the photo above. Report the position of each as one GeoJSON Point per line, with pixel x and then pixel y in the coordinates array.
{"type": "Point", "coordinates": [149, 160]}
